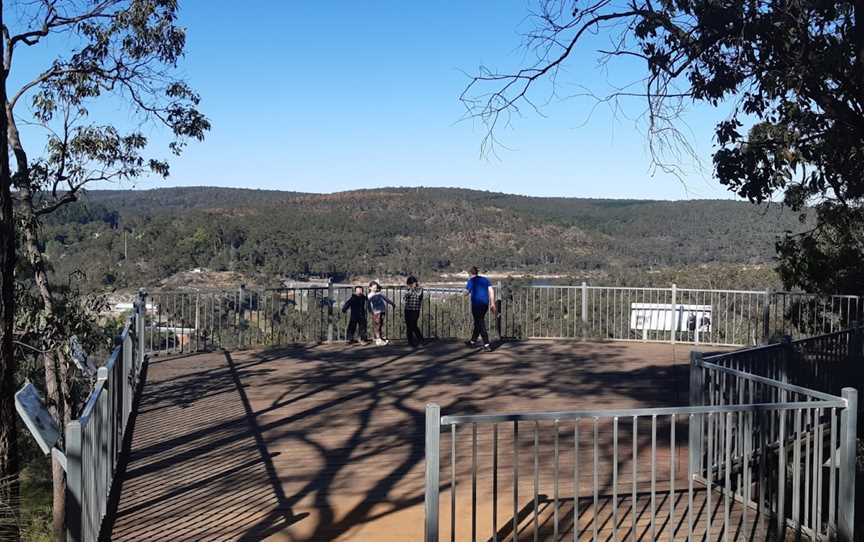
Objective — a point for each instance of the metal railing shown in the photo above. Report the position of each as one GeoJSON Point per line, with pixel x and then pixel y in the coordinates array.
{"type": "Point", "coordinates": [95, 440]}
{"type": "Point", "coordinates": [199, 320]}
{"type": "Point", "coordinates": [826, 362]}
{"type": "Point", "coordinates": [194, 321]}
{"type": "Point", "coordinates": [734, 317]}
{"type": "Point", "coordinates": [751, 457]}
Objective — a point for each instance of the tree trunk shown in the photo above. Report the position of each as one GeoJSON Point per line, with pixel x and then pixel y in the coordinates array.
{"type": "Point", "coordinates": [858, 37]}
{"type": "Point", "coordinates": [58, 494]}
{"type": "Point", "coordinates": [9, 466]}
{"type": "Point", "coordinates": [55, 364]}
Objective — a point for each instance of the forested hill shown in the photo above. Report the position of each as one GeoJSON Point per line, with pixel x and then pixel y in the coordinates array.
{"type": "Point", "coordinates": [397, 230]}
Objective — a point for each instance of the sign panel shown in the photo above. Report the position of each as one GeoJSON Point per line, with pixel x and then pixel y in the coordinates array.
{"type": "Point", "coordinates": [36, 417]}
{"type": "Point", "coordinates": [665, 317]}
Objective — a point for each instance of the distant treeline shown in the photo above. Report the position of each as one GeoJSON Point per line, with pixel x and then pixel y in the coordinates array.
{"type": "Point", "coordinates": [397, 231]}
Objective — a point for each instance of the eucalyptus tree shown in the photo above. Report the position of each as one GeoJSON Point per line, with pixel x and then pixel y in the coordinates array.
{"type": "Point", "coordinates": [790, 74]}
{"type": "Point", "coordinates": [98, 55]}
{"type": "Point", "coordinates": [9, 460]}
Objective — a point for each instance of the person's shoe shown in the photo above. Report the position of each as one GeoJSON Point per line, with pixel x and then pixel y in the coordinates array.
{"type": "Point", "coordinates": [379, 342]}
{"type": "Point", "coordinates": [487, 347]}
{"type": "Point", "coordinates": [386, 341]}
{"type": "Point", "coordinates": [352, 341]}
{"type": "Point", "coordinates": [470, 343]}
{"type": "Point", "coordinates": [364, 342]}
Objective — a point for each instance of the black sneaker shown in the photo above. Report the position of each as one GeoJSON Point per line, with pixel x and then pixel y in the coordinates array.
{"type": "Point", "coordinates": [470, 343]}
{"type": "Point", "coordinates": [487, 347]}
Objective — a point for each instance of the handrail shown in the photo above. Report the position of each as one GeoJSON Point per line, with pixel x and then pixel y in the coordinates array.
{"type": "Point", "coordinates": [806, 340]}
{"type": "Point", "coordinates": [93, 398]}
{"type": "Point", "coordinates": [745, 351]}
{"type": "Point", "coordinates": [95, 440]}
{"type": "Point", "coordinates": [571, 415]}
{"type": "Point", "coordinates": [769, 381]}
{"type": "Point", "coordinates": [721, 437]}
{"type": "Point", "coordinates": [200, 319]}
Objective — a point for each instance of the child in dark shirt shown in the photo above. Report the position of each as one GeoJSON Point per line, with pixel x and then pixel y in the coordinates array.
{"type": "Point", "coordinates": [357, 318]}
{"type": "Point", "coordinates": [413, 303]}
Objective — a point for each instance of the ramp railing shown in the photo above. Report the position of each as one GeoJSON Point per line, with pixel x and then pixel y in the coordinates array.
{"type": "Point", "coordinates": [751, 457]}
{"type": "Point", "coordinates": [95, 440]}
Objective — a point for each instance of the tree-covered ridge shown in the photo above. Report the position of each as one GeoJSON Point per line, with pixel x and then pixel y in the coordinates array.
{"type": "Point", "coordinates": [397, 231]}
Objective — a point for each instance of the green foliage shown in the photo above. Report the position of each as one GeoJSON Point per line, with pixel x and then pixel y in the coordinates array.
{"type": "Point", "coordinates": [400, 231]}
{"type": "Point", "coordinates": [122, 50]}
{"type": "Point", "coordinates": [35, 511]}
{"type": "Point", "coordinates": [75, 314]}
{"type": "Point", "coordinates": [789, 77]}
{"type": "Point", "coordinates": [826, 258]}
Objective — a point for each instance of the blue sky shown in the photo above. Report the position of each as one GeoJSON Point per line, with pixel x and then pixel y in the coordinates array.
{"type": "Point", "coordinates": [330, 96]}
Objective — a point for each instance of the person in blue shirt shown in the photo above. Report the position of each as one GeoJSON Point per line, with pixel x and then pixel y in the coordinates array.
{"type": "Point", "coordinates": [482, 296]}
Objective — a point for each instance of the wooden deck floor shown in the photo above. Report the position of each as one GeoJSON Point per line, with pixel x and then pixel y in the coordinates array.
{"type": "Point", "coordinates": [326, 442]}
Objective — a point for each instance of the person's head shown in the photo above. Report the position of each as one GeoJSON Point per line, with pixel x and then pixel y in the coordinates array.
{"type": "Point", "coordinates": [358, 290]}
{"type": "Point", "coordinates": [474, 271]}
{"type": "Point", "coordinates": [374, 286]}
{"type": "Point", "coordinates": [412, 281]}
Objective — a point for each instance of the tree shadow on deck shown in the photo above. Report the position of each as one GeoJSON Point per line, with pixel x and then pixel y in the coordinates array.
{"type": "Point", "coordinates": [612, 525]}
{"type": "Point", "coordinates": [320, 443]}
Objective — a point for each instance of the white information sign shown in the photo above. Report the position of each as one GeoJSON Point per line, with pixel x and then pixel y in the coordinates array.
{"type": "Point", "coordinates": [36, 417]}
{"type": "Point", "coordinates": [666, 317]}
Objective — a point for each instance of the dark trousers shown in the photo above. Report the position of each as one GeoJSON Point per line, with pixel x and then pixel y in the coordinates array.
{"type": "Point", "coordinates": [479, 314]}
{"type": "Point", "coordinates": [353, 325]}
{"type": "Point", "coordinates": [413, 330]}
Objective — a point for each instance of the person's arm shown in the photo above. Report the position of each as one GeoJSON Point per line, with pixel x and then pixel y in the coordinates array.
{"type": "Point", "coordinates": [492, 298]}
{"type": "Point", "coordinates": [387, 300]}
{"type": "Point", "coordinates": [346, 305]}
{"type": "Point", "coordinates": [468, 286]}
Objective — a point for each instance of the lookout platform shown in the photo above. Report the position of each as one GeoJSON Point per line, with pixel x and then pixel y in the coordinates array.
{"type": "Point", "coordinates": [326, 442]}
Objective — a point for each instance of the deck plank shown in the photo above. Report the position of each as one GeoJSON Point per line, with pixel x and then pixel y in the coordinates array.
{"type": "Point", "coordinates": [326, 442]}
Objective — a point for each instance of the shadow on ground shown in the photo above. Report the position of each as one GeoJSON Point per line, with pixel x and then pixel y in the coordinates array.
{"type": "Point", "coordinates": [325, 443]}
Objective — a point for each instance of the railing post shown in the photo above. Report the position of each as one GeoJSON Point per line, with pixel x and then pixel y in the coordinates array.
{"type": "Point", "coordinates": [499, 304]}
{"type": "Point", "coordinates": [855, 342]}
{"type": "Point", "coordinates": [696, 378]}
{"type": "Point", "coordinates": [789, 359]}
{"type": "Point", "coordinates": [766, 318]}
{"type": "Point", "coordinates": [74, 490]}
{"type": "Point", "coordinates": [142, 327]}
{"type": "Point", "coordinates": [197, 321]}
{"type": "Point", "coordinates": [846, 494]}
{"type": "Point", "coordinates": [126, 384]}
{"type": "Point", "coordinates": [584, 310]}
{"type": "Point", "coordinates": [433, 459]}
{"type": "Point", "coordinates": [330, 321]}
{"type": "Point", "coordinates": [674, 325]}
{"type": "Point", "coordinates": [694, 433]}
{"type": "Point", "coordinates": [240, 314]}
